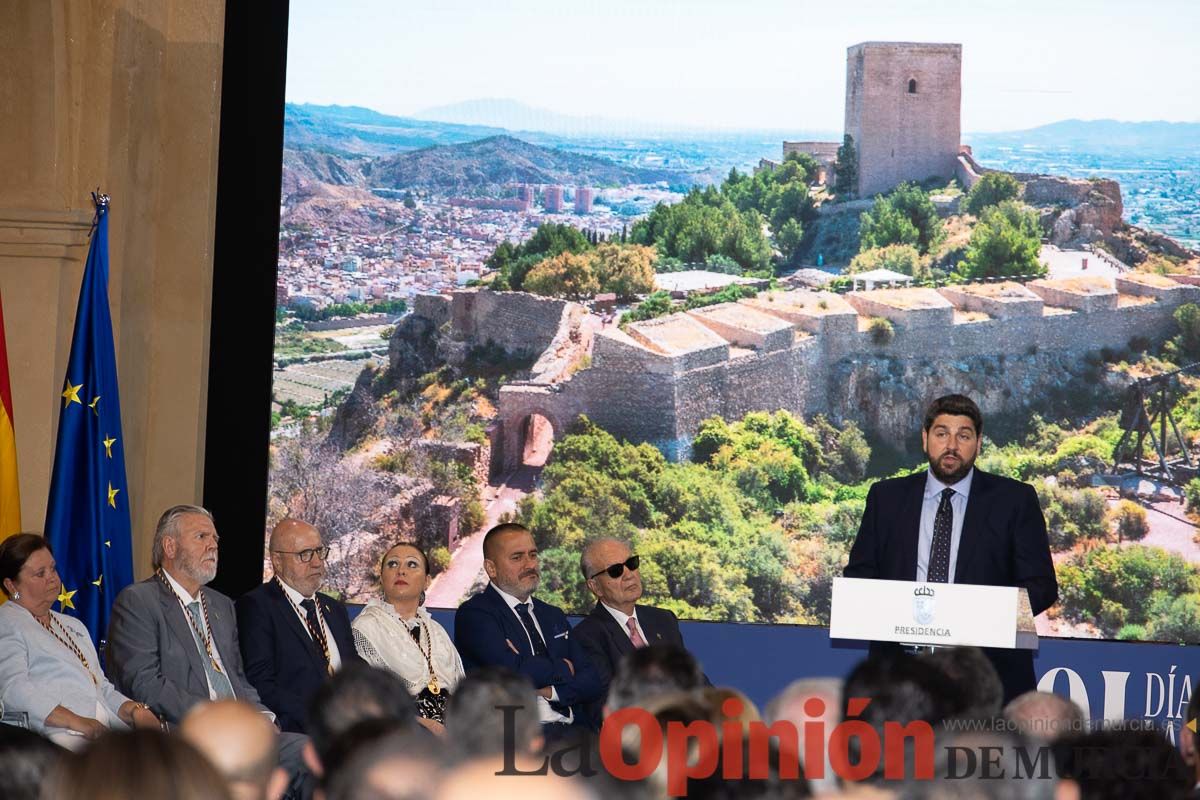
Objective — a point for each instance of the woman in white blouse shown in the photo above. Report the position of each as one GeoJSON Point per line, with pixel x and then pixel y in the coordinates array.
{"type": "Point", "coordinates": [48, 666]}
{"type": "Point", "coordinates": [398, 634]}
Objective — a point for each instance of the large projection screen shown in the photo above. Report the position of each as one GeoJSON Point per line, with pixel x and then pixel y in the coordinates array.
{"type": "Point", "coordinates": [688, 274]}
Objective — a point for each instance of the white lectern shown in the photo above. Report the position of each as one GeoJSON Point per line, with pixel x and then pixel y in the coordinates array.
{"type": "Point", "coordinates": [947, 614]}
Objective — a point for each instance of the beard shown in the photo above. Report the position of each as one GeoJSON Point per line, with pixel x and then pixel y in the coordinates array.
{"type": "Point", "coordinates": [199, 571]}
{"type": "Point", "coordinates": [953, 476]}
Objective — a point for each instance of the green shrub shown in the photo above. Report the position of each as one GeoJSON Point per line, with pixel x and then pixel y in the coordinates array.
{"type": "Point", "coordinates": [993, 188]}
{"type": "Point", "coordinates": [881, 331]}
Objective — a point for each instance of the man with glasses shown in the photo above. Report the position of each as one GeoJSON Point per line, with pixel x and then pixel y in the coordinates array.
{"type": "Point", "coordinates": [618, 625]}
{"type": "Point", "coordinates": [292, 636]}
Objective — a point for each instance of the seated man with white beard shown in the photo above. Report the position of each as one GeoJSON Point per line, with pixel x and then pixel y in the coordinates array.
{"type": "Point", "coordinates": [173, 642]}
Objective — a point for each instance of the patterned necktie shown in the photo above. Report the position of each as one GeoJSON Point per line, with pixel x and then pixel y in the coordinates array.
{"type": "Point", "coordinates": [415, 632]}
{"type": "Point", "coordinates": [216, 678]}
{"type": "Point", "coordinates": [314, 629]}
{"type": "Point", "coordinates": [939, 552]}
{"type": "Point", "coordinates": [634, 636]}
{"type": "Point", "coordinates": [539, 644]}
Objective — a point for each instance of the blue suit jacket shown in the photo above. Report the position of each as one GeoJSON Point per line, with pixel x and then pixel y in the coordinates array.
{"type": "Point", "coordinates": [483, 624]}
{"type": "Point", "coordinates": [282, 662]}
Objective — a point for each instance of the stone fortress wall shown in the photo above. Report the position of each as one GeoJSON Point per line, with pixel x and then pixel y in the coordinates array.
{"type": "Point", "coordinates": [812, 352]}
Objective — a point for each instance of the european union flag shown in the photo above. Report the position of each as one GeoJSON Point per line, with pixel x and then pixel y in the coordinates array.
{"type": "Point", "coordinates": [87, 521]}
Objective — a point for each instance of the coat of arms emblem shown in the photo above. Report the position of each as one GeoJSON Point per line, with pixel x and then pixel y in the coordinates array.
{"type": "Point", "coordinates": [923, 605]}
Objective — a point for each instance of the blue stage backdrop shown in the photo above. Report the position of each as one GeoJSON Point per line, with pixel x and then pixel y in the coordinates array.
{"type": "Point", "coordinates": [1110, 680]}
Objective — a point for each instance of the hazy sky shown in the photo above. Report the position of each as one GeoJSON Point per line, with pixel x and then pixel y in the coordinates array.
{"type": "Point", "coordinates": [744, 64]}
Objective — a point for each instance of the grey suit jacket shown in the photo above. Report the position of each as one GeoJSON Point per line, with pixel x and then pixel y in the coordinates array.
{"type": "Point", "coordinates": [152, 655]}
{"type": "Point", "coordinates": [37, 673]}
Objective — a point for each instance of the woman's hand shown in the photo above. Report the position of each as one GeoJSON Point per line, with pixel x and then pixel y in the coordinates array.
{"type": "Point", "coordinates": [63, 717]}
{"type": "Point", "coordinates": [90, 728]}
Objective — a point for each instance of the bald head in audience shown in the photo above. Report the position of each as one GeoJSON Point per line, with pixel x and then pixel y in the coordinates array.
{"type": "Point", "coordinates": [1045, 716]}
{"type": "Point", "coordinates": [240, 743]}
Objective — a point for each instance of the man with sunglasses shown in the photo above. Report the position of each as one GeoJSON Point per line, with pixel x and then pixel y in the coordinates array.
{"type": "Point", "coordinates": [292, 636]}
{"type": "Point", "coordinates": [618, 625]}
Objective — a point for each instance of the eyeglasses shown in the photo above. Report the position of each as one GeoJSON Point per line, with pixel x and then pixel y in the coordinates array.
{"type": "Point", "coordinates": [306, 555]}
{"type": "Point", "coordinates": [617, 570]}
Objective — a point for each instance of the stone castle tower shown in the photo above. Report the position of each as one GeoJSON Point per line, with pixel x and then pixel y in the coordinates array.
{"type": "Point", "coordinates": [903, 102]}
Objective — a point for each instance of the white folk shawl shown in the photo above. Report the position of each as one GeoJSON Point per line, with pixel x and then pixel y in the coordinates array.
{"type": "Point", "coordinates": [383, 640]}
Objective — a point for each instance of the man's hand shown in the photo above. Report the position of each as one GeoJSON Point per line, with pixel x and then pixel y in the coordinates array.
{"type": "Point", "coordinates": [546, 692]}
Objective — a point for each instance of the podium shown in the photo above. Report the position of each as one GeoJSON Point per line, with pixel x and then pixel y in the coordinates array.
{"type": "Point", "coordinates": [932, 614]}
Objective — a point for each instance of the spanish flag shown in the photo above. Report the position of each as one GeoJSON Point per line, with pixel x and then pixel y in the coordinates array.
{"type": "Point", "coordinates": [10, 494]}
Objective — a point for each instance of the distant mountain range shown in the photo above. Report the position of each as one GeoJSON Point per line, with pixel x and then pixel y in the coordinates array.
{"type": "Point", "coordinates": [488, 165]}
{"type": "Point", "coordinates": [516, 116]}
{"type": "Point", "coordinates": [1099, 135]}
{"type": "Point", "coordinates": [358, 147]}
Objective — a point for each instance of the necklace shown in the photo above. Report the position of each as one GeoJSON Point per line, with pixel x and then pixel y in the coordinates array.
{"type": "Point", "coordinates": [205, 635]}
{"type": "Point", "coordinates": [427, 651]}
{"type": "Point", "coordinates": [317, 632]}
{"type": "Point", "coordinates": [70, 645]}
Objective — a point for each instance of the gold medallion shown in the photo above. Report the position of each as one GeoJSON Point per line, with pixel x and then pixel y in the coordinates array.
{"type": "Point", "coordinates": [433, 686]}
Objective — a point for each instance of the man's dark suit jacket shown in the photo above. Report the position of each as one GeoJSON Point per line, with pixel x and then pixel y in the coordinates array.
{"type": "Point", "coordinates": [282, 661]}
{"type": "Point", "coordinates": [485, 621]}
{"type": "Point", "coordinates": [606, 642]}
{"type": "Point", "coordinates": [1003, 543]}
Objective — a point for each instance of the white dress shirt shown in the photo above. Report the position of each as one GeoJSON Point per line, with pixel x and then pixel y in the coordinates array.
{"type": "Point", "coordinates": [623, 620]}
{"type": "Point", "coordinates": [335, 656]}
{"type": "Point", "coordinates": [929, 506]}
{"type": "Point", "coordinates": [545, 712]}
{"type": "Point", "coordinates": [187, 617]}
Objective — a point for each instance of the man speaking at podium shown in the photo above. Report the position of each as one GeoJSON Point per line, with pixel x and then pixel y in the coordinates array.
{"type": "Point", "coordinates": [957, 524]}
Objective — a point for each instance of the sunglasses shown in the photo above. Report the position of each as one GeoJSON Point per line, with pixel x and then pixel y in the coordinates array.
{"type": "Point", "coordinates": [617, 570]}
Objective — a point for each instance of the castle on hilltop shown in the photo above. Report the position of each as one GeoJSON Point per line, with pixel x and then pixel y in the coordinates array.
{"type": "Point", "coordinates": [903, 114]}
{"type": "Point", "coordinates": [803, 351]}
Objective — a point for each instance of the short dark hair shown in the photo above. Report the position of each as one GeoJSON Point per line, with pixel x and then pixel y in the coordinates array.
{"type": "Point", "coordinates": [1126, 762]}
{"type": "Point", "coordinates": [474, 719]}
{"type": "Point", "coordinates": [15, 551]}
{"type": "Point", "coordinates": [978, 683]}
{"type": "Point", "coordinates": [499, 530]}
{"type": "Point", "coordinates": [658, 669]}
{"type": "Point", "coordinates": [958, 405]}
{"type": "Point", "coordinates": [25, 760]}
{"type": "Point", "coordinates": [355, 693]}
{"type": "Point", "coordinates": [357, 779]}
{"type": "Point", "coordinates": [903, 689]}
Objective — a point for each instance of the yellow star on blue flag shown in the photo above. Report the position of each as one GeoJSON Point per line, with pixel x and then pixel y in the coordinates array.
{"type": "Point", "coordinates": [98, 581]}
{"type": "Point", "coordinates": [112, 496]}
{"type": "Point", "coordinates": [92, 405]}
{"type": "Point", "coordinates": [64, 598]}
{"type": "Point", "coordinates": [108, 443]}
{"type": "Point", "coordinates": [71, 394]}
